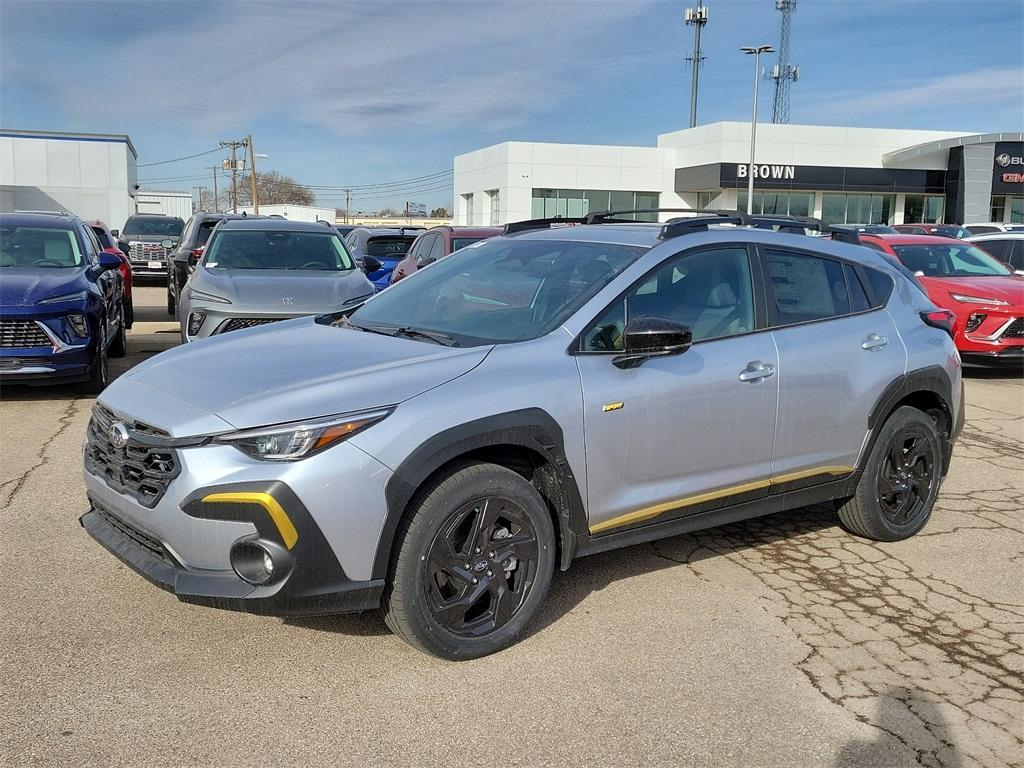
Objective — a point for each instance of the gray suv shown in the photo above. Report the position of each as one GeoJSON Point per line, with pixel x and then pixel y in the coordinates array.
{"type": "Point", "coordinates": [536, 397]}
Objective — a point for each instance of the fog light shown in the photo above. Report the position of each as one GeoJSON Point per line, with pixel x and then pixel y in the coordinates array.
{"type": "Point", "coordinates": [974, 321]}
{"type": "Point", "coordinates": [195, 322]}
{"type": "Point", "coordinates": [78, 324]}
{"type": "Point", "coordinates": [259, 561]}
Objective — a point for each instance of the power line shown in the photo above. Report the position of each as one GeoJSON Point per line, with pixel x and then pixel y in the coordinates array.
{"type": "Point", "coordinates": [178, 159]}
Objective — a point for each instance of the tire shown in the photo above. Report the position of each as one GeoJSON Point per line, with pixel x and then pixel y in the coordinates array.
{"type": "Point", "coordinates": [900, 482]}
{"type": "Point", "coordinates": [99, 374]}
{"type": "Point", "coordinates": [119, 344]}
{"type": "Point", "coordinates": [172, 305]}
{"type": "Point", "coordinates": [451, 598]}
{"type": "Point", "coordinates": [129, 312]}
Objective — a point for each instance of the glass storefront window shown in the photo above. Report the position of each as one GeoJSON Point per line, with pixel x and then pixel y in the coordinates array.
{"type": "Point", "coordinates": [998, 208]}
{"type": "Point", "coordinates": [839, 208]}
{"type": "Point", "coordinates": [778, 203]}
{"type": "Point", "coordinates": [574, 203]}
{"type": "Point", "coordinates": [923, 209]}
{"type": "Point", "coordinates": [1017, 210]}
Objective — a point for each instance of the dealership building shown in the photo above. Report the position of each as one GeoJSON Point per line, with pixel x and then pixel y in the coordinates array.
{"type": "Point", "coordinates": [840, 175]}
{"type": "Point", "coordinates": [92, 175]}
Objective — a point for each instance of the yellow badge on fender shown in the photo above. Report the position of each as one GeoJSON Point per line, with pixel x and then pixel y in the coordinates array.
{"type": "Point", "coordinates": [611, 407]}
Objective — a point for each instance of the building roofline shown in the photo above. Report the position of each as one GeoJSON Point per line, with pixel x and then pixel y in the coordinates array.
{"type": "Point", "coordinates": [14, 133]}
{"type": "Point", "coordinates": [944, 145]}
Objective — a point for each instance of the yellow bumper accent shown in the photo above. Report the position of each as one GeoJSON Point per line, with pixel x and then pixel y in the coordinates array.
{"type": "Point", "coordinates": [284, 524]}
{"type": "Point", "coordinates": [650, 512]}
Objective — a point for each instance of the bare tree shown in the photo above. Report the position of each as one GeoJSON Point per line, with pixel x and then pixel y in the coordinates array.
{"type": "Point", "coordinates": [440, 213]}
{"type": "Point", "coordinates": [387, 212]}
{"type": "Point", "coordinates": [276, 189]}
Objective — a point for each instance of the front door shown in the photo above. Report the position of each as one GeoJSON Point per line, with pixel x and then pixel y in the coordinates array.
{"type": "Point", "coordinates": [683, 434]}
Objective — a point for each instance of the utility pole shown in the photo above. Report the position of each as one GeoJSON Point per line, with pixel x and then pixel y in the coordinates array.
{"type": "Point", "coordinates": [200, 191]}
{"type": "Point", "coordinates": [252, 176]}
{"type": "Point", "coordinates": [216, 199]}
{"type": "Point", "coordinates": [697, 18]}
{"type": "Point", "coordinates": [784, 73]}
{"type": "Point", "coordinates": [234, 146]}
{"type": "Point", "coordinates": [348, 204]}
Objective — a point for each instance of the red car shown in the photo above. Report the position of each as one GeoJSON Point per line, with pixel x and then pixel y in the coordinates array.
{"type": "Point", "coordinates": [436, 243]}
{"type": "Point", "coordinates": [109, 245]}
{"type": "Point", "coordinates": [986, 297]}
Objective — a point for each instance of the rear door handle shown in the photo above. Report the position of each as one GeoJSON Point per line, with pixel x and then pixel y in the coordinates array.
{"type": "Point", "coordinates": [756, 371]}
{"type": "Point", "coordinates": [873, 341]}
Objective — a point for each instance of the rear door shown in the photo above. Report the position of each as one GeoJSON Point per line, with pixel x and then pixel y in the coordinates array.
{"type": "Point", "coordinates": [836, 356]}
{"type": "Point", "coordinates": [689, 433]}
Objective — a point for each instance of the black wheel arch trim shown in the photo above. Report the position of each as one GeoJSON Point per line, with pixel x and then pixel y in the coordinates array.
{"type": "Point", "coordinates": [934, 380]}
{"type": "Point", "coordinates": [530, 428]}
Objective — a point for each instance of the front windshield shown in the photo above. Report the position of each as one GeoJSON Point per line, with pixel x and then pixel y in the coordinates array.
{"type": "Point", "coordinates": [957, 232]}
{"type": "Point", "coordinates": [148, 226]}
{"type": "Point", "coordinates": [38, 247]}
{"type": "Point", "coordinates": [500, 290]}
{"type": "Point", "coordinates": [954, 260]}
{"type": "Point", "coordinates": [275, 249]}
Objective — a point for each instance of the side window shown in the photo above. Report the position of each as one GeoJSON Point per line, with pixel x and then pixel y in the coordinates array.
{"type": "Point", "coordinates": [710, 291]}
{"type": "Point", "coordinates": [92, 245]}
{"type": "Point", "coordinates": [999, 249]}
{"type": "Point", "coordinates": [1017, 255]}
{"type": "Point", "coordinates": [186, 234]}
{"type": "Point", "coordinates": [806, 287]}
{"type": "Point", "coordinates": [858, 298]}
{"type": "Point", "coordinates": [881, 286]}
{"type": "Point", "coordinates": [437, 247]}
{"type": "Point", "coordinates": [416, 247]}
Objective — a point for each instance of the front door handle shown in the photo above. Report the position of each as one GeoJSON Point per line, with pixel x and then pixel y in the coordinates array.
{"type": "Point", "coordinates": [873, 341]}
{"type": "Point", "coordinates": [756, 371]}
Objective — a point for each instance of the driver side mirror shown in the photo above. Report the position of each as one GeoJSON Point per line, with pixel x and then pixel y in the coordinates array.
{"type": "Point", "coordinates": [370, 264]}
{"type": "Point", "coordinates": [109, 261]}
{"type": "Point", "coordinates": [652, 337]}
{"type": "Point", "coordinates": [115, 232]}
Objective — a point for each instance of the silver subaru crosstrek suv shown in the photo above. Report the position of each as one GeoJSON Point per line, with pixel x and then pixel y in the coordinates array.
{"type": "Point", "coordinates": [540, 396]}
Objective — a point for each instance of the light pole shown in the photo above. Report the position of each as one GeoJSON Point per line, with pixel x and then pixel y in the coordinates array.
{"type": "Point", "coordinates": [757, 51]}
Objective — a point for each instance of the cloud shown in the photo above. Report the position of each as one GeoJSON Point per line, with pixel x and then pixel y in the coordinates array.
{"type": "Point", "coordinates": [352, 68]}
{"type": "Point", "coordinates": [987, 87]}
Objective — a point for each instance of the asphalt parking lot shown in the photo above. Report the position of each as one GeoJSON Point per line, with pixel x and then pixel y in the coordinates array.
{"type": "Point", "coordinates": [778, 642]}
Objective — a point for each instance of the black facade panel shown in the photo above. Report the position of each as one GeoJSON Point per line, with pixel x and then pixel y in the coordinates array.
{"type": "Point", "coordinates": [1008, 173]}
{"type": "Point", "coordinates": [831, 178]}
{"type": "Point", "coordinates": [955, 186]}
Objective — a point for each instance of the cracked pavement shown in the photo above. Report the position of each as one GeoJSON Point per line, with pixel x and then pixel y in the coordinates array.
{"type": "Point", "coordinates": [782, 641]}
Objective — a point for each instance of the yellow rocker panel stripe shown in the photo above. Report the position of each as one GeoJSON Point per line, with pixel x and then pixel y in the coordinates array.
{"type": "Point", "coordinates": [688, 501]}
{"type": "Point", "coordinates": [284, 524]}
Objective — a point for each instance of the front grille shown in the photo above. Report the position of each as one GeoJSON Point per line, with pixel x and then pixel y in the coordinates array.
{"type": "Point", "coordinates": [1015, 330]}
{"type": "Point", "coordinates": [139, 251]}
{"type": "Point", "coordinates": [138, 469]}
{"type": "Point", "coordinates": [238, 323]}
{"type": "Point", "coordinates": [22, 333]}
{"type": "Point", "coordinates": [144, 540]}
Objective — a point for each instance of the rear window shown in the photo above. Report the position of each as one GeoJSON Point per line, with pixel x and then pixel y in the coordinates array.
{"type": "Point", "coordinates": [391, 246]}
{"type": "Point", "coordinates": [205, 229]}
{"type": "Point", "coordinates": [103, 237]}
{"type": "Point", "coordinates": [462, 242]}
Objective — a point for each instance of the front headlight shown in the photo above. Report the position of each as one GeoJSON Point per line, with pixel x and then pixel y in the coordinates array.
{"type": "Point", "coordinates": [195, 295]}
{"type": "Point", "coordinates": [978, 300]}
{"type": "Point", "coordinates": [299, 439]}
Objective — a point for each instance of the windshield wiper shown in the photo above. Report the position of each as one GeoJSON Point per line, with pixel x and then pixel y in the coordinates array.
{"type": "Point", "coordinates": [410, 333]}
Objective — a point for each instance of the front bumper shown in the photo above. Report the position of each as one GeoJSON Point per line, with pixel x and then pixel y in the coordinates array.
{"type": "Point", "coordinates": [314, 584]}
{"type": "Point", "coordinates": [996, 338]}
{"type": "Point", "coordinates": [59, 361]}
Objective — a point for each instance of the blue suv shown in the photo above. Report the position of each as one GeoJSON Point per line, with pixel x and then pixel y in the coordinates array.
{"type": "Point", "coordinates": [61, 310]}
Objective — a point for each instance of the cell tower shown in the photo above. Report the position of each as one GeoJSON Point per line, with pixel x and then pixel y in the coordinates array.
{"type": "Point", "coordinates": [784, 73]}
{"type": "Point", "coordinates": [697, 18]}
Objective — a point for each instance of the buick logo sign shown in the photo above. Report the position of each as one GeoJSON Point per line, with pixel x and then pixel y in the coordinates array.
{"type": "Point", "coordinates": [1003, 160]}
{"type": "Point", "coordinates": [118, 435]}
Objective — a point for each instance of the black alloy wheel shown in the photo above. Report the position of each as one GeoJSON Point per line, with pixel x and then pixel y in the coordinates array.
{"type": "Point", "coordinates": [481, 566]}
{"type": "Point", "coordinates": [906, 474]}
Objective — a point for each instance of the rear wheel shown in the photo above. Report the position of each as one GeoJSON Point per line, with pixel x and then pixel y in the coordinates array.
{"type": "Point", "coordinates": [901, 478]}
{"type": "Point", "coordinates": [172, 304]}
{"type": "Point", "coordinates": [473, 563]}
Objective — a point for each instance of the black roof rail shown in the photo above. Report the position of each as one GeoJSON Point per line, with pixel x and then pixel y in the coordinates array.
{"type": "Point", "coordinates": [684, 225]}
{"type": "Point", "coordinates": [608, 217]}
{"type": "Point", "coordinates": [846, 235]}
{"type": "Point", "coordinates": [794, 224]}
{"type": "Point", "coordinates": [524, 226]}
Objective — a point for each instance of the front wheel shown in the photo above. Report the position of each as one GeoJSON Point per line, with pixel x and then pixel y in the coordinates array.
{"type": "Point", "coordinates": [99, 374]}
{"type": "Point", "coordinates": [119, 344]}
{"type": "Point", "coordinates": [172, 304]}
{"type": "Point", "coordinates": [901, 478]}
{"type": "Point", "coordinates": [473, 563]}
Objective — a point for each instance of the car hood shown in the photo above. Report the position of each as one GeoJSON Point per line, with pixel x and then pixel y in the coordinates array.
{"type": "Point", "coordinates": [284, 291]}
{"type": "Point", "coordinates": [296, 369]}
{"type": "Point", "coordinates": [1009, 288]}
{"type": "Point", "coordinates": [26, 286]}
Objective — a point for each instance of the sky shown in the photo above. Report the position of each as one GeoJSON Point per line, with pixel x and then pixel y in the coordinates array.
{"type": "Point", "coordinates": [349, 94]}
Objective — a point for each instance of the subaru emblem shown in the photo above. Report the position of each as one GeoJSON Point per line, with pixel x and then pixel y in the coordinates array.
{"type": "Point", "coordinates": [118, 435]}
